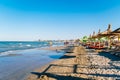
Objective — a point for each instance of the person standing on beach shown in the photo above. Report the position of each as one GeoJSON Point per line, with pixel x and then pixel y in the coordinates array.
{"type": "Point", "coordinates": [66, 43]}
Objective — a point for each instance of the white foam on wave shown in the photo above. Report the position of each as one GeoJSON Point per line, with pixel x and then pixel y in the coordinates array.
{"type": "Point", "coordinates": [12, 52]}
{"type": "Point", "coordinates": [6, 53]}
{"type": "Point", "coordinates": [28, 45]}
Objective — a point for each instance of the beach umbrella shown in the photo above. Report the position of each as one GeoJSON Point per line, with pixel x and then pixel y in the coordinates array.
{"type": "Point", "coordinates": [107, 33]}
{"type": "Point", "coordinates": [117, 33]}
{"type": "Point", "coordinates": [90, 37]}
{"type": "Point", "coordinates": [94, 36]}
{"type": "Point", "coordinates": [98, 35]}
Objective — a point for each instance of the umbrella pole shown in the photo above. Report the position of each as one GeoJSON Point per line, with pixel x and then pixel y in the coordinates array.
{"type": "Point", "coordinates": [99, 42]}
{"type": "Point", "coordinates": [118, 38]}
{"type": "Point", "coordinates": [109, 42]}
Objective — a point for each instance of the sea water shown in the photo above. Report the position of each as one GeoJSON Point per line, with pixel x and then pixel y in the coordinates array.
{"type": "Point", "coordinates": [19, 45]}
{"type": "Point", "coordinates": [7, 47]}
{"type": "Point", "coordinates": [19, 59]}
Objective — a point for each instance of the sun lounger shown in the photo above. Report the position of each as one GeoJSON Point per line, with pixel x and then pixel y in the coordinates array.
{"type": "Point", "coordinates": [116, 51]}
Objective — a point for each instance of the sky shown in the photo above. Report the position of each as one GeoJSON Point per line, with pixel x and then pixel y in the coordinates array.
{"type": "Point", "coordinates": [56, 19]}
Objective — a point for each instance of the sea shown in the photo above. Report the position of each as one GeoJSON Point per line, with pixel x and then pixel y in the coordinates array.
{"type": "Point", "coordinates": [7, 47]}
{"type": "Point", "coordinates": [18, 59]}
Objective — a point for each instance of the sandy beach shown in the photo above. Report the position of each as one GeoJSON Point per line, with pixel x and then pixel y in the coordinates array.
{"type": "Point", "coordinates": [82, 64]}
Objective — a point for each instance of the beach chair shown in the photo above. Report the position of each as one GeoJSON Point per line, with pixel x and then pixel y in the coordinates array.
{"type": "Point", "coordinates": [116, 50]}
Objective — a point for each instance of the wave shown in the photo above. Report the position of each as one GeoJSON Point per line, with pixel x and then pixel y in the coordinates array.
{"type": "Point", "coordinates": [13, 45]}
{"type": "Point", "coordinates": [7, 53]}
{"type": "Point", "coordinates": [7, 47]}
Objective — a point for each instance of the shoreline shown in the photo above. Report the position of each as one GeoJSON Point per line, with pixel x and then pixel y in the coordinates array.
{"type": "Point", "coordinates": [53, 48]}
{"type": "Point", "coordinates": [23, 62]}
{"type": "Point", "coordinates": [12, 52]}
{"type": "Point", "coordinates": [99, 66]}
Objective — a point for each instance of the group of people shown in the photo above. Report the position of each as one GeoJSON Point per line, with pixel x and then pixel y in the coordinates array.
{"type": "Point", "coordinates": [72, 43]}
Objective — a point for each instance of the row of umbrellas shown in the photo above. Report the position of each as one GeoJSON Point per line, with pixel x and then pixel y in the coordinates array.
{"type": "Point", "coordinates": [107, 33]}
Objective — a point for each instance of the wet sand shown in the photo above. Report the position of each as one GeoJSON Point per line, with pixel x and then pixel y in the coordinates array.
{"type": "Point", "coordinates": [18, 65]}
{"type": "Point", "coordinates": [80, 65]}
{"type": "Point", "coordinates": [54, 48]}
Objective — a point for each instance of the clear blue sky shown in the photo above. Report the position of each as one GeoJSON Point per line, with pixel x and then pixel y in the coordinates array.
{"type": "Point", "coordinates": [56, 19]}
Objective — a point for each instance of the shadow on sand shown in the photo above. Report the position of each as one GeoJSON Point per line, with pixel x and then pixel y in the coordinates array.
{"type": "Point", "coordinates": [62, 77]}
{"type": "Point", "coordinates": [59, 77]}
{"type": "Point", "coordinates": [74, 67]}
{"type": "Point", "coordinates": [110, 56]}
{"type": "Point", "coordinates": [66, 57]}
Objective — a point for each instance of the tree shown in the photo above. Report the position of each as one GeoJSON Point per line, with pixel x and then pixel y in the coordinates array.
{"type": "Point", "coordinates": [84, 39]}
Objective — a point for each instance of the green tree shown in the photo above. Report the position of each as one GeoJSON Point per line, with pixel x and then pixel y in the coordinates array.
{"type": "Point", "coordinates": [84, 39]}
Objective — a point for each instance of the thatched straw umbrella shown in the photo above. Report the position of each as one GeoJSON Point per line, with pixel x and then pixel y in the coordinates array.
{"type": "Point", "coordinates": [89, 40]}
{"type": "Point", "coordinates": [107, 33]}
{"type": "Point", "coordinates": [90, 37]}
{"type": "Point", "coordinates": [94, 36]}
{"type": "Point", "coordinates": [116, 33]}
{"type": "Point", "coordinates": [98, 37]}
